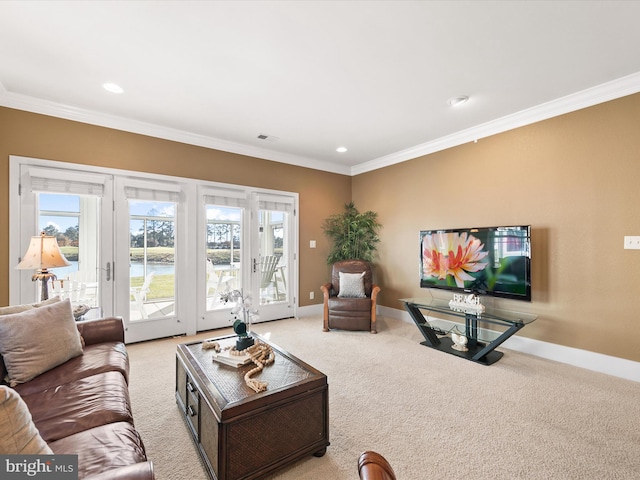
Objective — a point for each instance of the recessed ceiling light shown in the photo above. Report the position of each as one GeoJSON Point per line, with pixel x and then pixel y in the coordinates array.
{"type": "Point", "coordinates": [456, 101]}
{"type": "Point", "coordinates": [341, 149]}
{"type": "Point", "coordinates": [112, 87]}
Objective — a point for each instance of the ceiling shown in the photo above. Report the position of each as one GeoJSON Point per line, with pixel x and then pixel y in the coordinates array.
{"type": "Point", "coordinates": [372, 76]}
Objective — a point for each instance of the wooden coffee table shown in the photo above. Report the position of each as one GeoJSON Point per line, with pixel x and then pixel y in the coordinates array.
{"type": "Point", "coordinates": [241, 434]}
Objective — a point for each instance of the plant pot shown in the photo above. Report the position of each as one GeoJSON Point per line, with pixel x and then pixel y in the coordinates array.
{"type": "Point", "coordinates": [243, 343]}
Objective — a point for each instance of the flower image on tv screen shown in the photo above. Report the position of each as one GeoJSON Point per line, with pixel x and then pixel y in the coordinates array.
{"type": "Point", "coordinates": [486, 261]}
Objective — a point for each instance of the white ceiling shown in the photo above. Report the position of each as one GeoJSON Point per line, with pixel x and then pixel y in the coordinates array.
{"type": "Point", "coordinates": [374, 76]}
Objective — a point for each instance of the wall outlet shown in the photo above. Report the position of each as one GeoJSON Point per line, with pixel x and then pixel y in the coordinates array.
{"type": "Point", "coordinates": [312, 295]}
{"type": "Point", "coordinates": [312, 244]}
{"type": "Point", "coordinates": [631, 242]}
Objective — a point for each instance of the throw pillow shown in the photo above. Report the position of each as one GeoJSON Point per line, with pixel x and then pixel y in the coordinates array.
{"type": "Point", "coordinates": [34, 341]}
{"type": "Point", "coordinates": [19, 435]}
{"type": "Point", "coordinates": [351, 285]}
{"type": "Point", "coordinates": [29, 306]}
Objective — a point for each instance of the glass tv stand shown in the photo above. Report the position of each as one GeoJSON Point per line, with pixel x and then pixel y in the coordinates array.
{"type": "Point", "coordinates": [476, 349]}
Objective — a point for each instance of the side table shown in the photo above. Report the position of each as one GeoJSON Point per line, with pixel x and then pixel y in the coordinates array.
{"type": "Point", "coordinates": [245, 435]}
{"type": "Point", "coordinates": [477, 350]}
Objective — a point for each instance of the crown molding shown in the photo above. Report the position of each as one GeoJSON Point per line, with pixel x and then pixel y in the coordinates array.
{"type": "Point", "coordinates": [586, 98]}
{"type": "Point", "coordinates": [45, 107]}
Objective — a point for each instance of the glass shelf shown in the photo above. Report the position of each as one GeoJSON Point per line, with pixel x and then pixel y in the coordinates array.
{"type": "Point", "coordinates": [490, 314]}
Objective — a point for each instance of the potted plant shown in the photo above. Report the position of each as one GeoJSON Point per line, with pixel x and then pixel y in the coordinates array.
{"type": "Point", "coordinates": [354, 234]}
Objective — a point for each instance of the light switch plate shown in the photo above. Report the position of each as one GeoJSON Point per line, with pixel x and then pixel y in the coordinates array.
{"type": "Point", "coordinates": [631, 242]}
{"type": "Point", "coordinates": [312, 244]}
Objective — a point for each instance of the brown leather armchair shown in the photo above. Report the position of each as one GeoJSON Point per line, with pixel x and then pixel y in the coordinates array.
{"type": "Point", "coordinates": [373, 466]}
{"type": "Point", "coordinates": [350, 313]}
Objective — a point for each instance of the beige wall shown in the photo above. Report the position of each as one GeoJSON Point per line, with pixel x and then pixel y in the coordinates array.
{"type": "Point", "coordinates": [574, 179]}
{"type": "Point", "coordinates": [39, 136]}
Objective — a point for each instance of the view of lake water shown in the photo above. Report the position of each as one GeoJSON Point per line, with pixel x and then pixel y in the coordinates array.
{"type": "Point", "coordinates": [136, 269]}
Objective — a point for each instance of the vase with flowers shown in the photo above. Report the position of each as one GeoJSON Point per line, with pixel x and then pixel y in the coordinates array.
{"type": "Point", "coordinates": [243, 315]}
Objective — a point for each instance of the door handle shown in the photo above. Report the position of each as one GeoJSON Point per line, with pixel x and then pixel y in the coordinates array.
{"type": "Point", "coordinates": [255, 265]}
{"type": "Point", "coordinates": [108, 271]}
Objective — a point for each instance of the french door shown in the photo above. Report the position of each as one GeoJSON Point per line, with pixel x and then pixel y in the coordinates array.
{"type": "Point", "coordinates": [156, 250]}
{"type": "Point", "coordinates": [248, 241]}
{"type": "Point", "coordinates": [149, 245]}
{"type": "Point", "coordinates": [76, 209]}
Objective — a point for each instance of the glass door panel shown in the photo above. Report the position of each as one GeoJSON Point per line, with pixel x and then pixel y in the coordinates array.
{"type": "Point", "coordinates": [224, 253]}
{"type": "Point", "coordinates": [273, 256]}
{"type": "Point", "coordinates": [152, 259]}
{"type": "Point", "coordinates": [73, 221]}
{"type": "Point", "coordinates": [223, 248]}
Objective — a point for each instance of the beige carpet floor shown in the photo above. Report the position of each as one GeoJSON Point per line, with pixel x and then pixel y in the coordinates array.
{"type": "Point", "coordinates": [432, 415]}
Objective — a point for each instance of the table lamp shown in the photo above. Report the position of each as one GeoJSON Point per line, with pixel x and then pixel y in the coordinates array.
{"type": "Point", "coordinates": [43, 253]}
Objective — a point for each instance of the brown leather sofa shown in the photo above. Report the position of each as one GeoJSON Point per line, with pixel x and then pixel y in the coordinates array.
{"type": "Point", "coordinates": [373, 466]}
{"type": "Point", "coordinates": [82, 406]}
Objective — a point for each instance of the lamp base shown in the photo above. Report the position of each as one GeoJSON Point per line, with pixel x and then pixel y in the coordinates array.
{"type": "Point", "coordinates": [44, 277]}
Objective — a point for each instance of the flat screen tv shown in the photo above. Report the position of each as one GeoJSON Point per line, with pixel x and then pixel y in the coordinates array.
{"type": "Point", "coordinates": [486, 261]}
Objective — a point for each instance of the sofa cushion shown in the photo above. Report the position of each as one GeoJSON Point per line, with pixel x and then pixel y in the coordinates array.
{"type": "Point", "coordinates": [98, 358]}
{"type": "Point", "coordinates": [34, 341]}
{"type": "Point", "coordinates": [18, 434]}
{"type": "Point", "coordinates": [27, 306]}
{"type": "Point", "coordinates": [17, 309]}
{"type": "Point", "coordinates": [135, 471]}
{"type": "Point", "coordinates": [102, 448]}
{"type": "Point", "coordinates": [66, 409]}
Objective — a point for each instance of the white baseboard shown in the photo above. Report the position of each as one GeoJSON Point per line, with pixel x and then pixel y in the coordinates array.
{"type": "Point", "coordinates": [311, 310]}
{"type": "Point", "coordinates": [597, 362]}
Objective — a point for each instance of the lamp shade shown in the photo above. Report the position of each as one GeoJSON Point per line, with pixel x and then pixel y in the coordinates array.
{"type": "Point", "coordinates": [43, 253]}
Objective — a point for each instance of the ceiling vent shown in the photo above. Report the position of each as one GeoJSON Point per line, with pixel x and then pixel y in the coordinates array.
{"type": "Point", "coordinates": [267, 138]}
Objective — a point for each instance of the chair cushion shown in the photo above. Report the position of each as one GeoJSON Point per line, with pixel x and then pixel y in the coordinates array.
{"type": "Point", "coordinates": [351, 285]}
{"type": "Point", "coordinates": [19, 434]}
{"type": "Point", "coordinates": [337, 304]}
{"type": "Point", "coordinates": [36, 340]}
{"type": "Point", "coordinates": [67, 409]}
{"type": "Point", "coordinates": [350, 321]}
